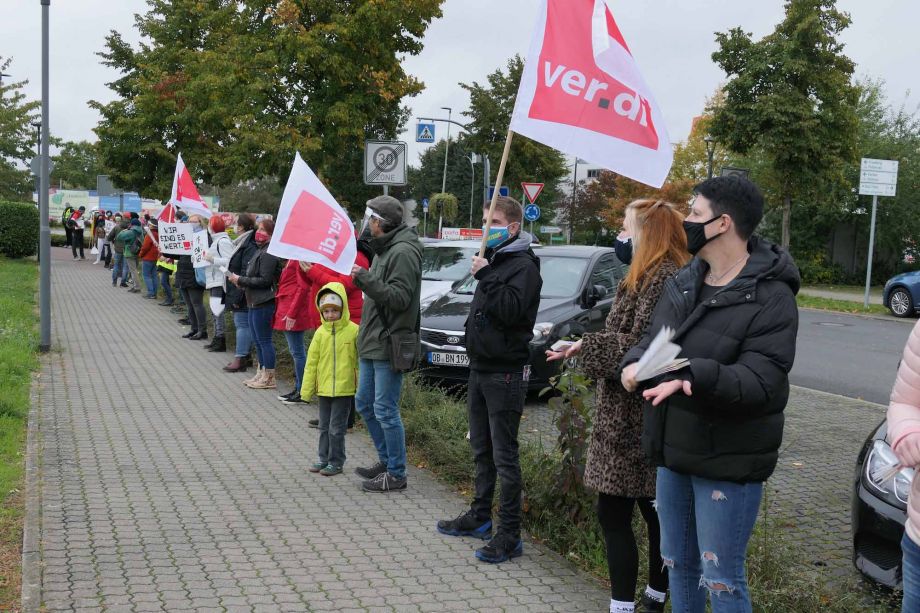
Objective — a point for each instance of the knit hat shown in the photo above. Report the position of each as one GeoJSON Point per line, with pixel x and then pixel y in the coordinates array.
{"type": "Point", "coordinates": [387, 207]}
{"type": "Point", "coordinates": [135, 222]}
{"type": "Point", "coordinates": [330, 299]}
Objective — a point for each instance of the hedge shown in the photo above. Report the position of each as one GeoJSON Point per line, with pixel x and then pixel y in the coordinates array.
{"type": "Point", "coordinates": [18, 229]}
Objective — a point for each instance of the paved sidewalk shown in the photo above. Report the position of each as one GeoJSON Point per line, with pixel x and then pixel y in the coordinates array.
{"type": "Point", "coordinates": [146, 499]}
{"type": "Point", "coordinates": [850, 295]}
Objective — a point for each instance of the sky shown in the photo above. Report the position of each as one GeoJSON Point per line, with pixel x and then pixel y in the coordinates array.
{"type": "Point", "coordinates": [672, 40]}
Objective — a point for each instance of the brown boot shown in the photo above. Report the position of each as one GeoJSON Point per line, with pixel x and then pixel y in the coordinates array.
{"type": "Point", "coordinates": [267, 382]}
{"type": "Point", "coordinates": [255, 377]}
{"type": "Point", "coordinates": [237, 365]}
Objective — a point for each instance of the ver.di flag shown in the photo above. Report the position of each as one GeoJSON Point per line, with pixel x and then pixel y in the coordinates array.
{"type": "Point", "coordinates": [185, 194]}
{"type": "Point", "coordinates": [311, 226]}
{"type": "Point", "coordinates": [582, 93]}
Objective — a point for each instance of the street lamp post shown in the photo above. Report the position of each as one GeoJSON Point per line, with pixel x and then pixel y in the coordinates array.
{"type": "Point", "coordinates": [44, 235]}
{"type": "Point", "coordinates": [472, 160]}
{"type": "Point", "coordinates": [710, 149]}
{"type": "Point", "coordinates": [444, 176]}
{"type": "Point", "coordinates": [38, 152]}
{"type": "Point", "coordinates": [568, 233]}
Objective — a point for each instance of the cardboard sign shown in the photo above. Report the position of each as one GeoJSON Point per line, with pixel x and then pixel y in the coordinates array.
{"type": "Point", "coordinates": [177, 238]}
{"type": "Point", "coordinates": [199, 246]}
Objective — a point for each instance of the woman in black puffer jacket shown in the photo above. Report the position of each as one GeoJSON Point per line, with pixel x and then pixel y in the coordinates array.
{"type": "Point", "coordinates": [192, 292]}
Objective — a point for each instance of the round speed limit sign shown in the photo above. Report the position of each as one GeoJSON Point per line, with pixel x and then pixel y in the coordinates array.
{"type": "Point", "coordinates": [385, 163]}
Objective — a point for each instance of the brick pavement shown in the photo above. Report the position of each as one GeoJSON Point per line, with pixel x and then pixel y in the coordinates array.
{"type": "Point", "coordinates": [142, 499]}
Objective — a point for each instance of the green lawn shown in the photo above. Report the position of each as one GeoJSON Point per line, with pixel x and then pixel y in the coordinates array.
{"type": "Point", "coordinates": [18, 343]}
{"type": "Point", "coordinates": [842, 306]}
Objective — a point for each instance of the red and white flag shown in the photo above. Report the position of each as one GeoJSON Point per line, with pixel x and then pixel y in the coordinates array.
{"type": "Point", "coordinates": [185, 194]}
{"type": "Point", "coordinates": [168, 214]}
{"type": "Point", "coordinates": [311, 226]}
{"type": "Point", "coordinates": [582, 93]}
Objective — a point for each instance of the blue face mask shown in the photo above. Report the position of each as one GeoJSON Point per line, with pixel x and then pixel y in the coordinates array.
{"type": "Point", "coordinates": [497, 236]}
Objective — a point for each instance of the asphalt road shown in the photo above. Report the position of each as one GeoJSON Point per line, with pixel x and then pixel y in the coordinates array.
{"type": "Point", "coordinates": [849, 355]}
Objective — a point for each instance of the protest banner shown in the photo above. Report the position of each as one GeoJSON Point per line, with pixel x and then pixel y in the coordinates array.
{"type": "Point", "coordinates": [311, 226]}
{"type": "Point", "coordinates": [176, 238]}
{"type": "Point", "coordinates": [199, 246]}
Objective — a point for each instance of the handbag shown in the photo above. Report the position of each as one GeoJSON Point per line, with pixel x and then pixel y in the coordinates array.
{"type": "Point", "coordinates": [200, 278]}
{"type": "Point", "coordinates": [403, 346]}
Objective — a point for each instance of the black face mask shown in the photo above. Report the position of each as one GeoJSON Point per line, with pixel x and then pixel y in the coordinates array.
{"type": "Point", "coordinates": [696, 234]}
{"type": "Point", "coordinates": [624, 250]}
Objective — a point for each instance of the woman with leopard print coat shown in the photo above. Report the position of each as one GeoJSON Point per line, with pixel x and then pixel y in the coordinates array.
{"type": "Point", "coordinates": [617, 467]}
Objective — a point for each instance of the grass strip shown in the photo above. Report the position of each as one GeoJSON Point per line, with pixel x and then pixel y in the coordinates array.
{"type": "Point", "coordinates": [839, 306]}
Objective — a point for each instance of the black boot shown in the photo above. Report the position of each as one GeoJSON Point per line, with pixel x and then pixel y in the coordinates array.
{"type": "Point", "coordinates": [201, 335]}
{"type": "Point", "coordinates": [211, 344]}
{"type": "Point", "coordinates": [219, 344]}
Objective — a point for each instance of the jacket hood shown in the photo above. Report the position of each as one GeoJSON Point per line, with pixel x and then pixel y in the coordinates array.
{"type": "Point", "coordinates": [219, 235]}
{"type": "Point", "coordinates": [339, 290]}
{"type": "Point", "coordinates": [520, 243]}
{"type": "Point", "coordinates": [400, 234]}
{"type": "Point", "coordinates": [239, 240]}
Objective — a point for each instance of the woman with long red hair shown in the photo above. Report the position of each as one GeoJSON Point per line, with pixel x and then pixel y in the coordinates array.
{"type": "Point", "coordinates": [653, 242]}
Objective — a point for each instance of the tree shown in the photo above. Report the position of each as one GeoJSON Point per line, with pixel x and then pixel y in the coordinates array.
{"type": "Point", "coordinates": [490, 115]}
{"type": "Point", "coordinates": [425, 181]}
{"type": "Point", "coordinates": [17, 138]}
{"type": "Point", "coordinates": [253, 196]}
{"type": "Point", "coordinates": [238, 87]}
{"type": "Point", "coordinates": [76, 165]}
{"type": "Point", "coordinates": [790, 97]}
{"type": "Point", "coordinates": [619, 191]}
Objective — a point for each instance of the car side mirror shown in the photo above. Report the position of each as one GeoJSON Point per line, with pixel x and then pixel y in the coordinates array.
{"type": "Point", "coordinates": [591, 295]}
{"type": "Point", "coordinates": [571, 329]}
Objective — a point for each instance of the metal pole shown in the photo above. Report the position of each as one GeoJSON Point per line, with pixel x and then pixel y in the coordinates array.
{"type": "Point", "coordinates": [44, 235]}
{"type": "Point", "coordinates": [386, 190]}
{"type": "Point", "coordinates": [568, 234]}
{"type": "Point", "coordinates": [444, 176]}
{"type": "Point", "coordinates": [871, 248]}
{"type": "Point", "coordinates": [472, 186]}
{"type": "Point", "coordinates": [486, 177]}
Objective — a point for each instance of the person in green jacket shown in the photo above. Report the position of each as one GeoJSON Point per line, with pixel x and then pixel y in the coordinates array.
{"type": "Point", "coordinates": [392, 288]}
{"type": "Point", "coordinates": [332, 374]}
{"type": "Point", "coordinates": [132, 239]}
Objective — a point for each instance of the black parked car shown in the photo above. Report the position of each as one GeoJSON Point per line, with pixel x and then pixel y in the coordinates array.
{"type": "Point", "coordinates": [578, 288]}
{"type": "Point", "coordinates": [879, 510]}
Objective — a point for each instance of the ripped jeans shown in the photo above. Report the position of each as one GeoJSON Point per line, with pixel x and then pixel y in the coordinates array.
{"type": "Point", "coordinates": [705, 528]}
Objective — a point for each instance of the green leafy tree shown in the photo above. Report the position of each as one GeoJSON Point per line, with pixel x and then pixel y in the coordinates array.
{"type": "Point", "coordinates": [490, 111]}
{"type": "Point", "coordinates": [790, 98]}
{"type": "Point", "coordinates": [253, 196]}
{"type": "Point", "coordinates": [426, 179]}
{"type": "Point", "coordinates": [76, 165]}
{"type": "Point", "coordinates": [238, 87]}
{"type": "Point", "coordinates": [17, 138]}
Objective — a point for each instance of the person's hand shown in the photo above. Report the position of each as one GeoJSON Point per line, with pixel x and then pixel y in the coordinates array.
{"type": "Point", "coordinates": [660, 393]}
{"type": "Point", "coordinates": [355, 270]}
{"type": "Point", "coordinates": [570, 352]}
{"type": "Point", "coordinates": [628, 378]}
{"type": "Point", "coordinates": [289, 323]}
{"type": "Point", "coordinates": [478, 264]}
{"type": "Point", "coordinates": [306, 266]}
{"type": "Point", "coordinates": [208, 256]}
{"type": "Point", "coordinates": [908, 450]}
{"type": "Point", "coordinates": [234, 278]}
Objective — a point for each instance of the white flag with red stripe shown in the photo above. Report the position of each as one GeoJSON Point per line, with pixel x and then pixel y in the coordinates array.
{"type": "Point", "coordinates": [168, 214]}
{"type": "Point", "coordinates": [185, 194]}
{"type": "Point", "coordinates": [311, 226]}
{"type": "Point", "coordinates": [582, 93]}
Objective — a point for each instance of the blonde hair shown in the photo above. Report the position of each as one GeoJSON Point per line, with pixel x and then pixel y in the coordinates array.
{"type": "Point", "coordinates": [658, 237]}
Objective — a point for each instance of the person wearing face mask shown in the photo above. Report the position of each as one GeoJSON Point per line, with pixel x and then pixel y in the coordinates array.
{"type": "Point", "coordinates": [259, 285]}
{"type": "Point", "coordinates": [192, 292]}
{"type": "Point", "coordinates": [714, 428]}
{"type": "Point", "coordinates": [653, 240]}
{"type": "Point", "coordinates": [498, 333]}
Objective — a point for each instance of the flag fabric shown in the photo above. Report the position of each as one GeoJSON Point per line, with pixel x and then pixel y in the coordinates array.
{"type": "Point", "coordinates": [582, 93]}
{"type": "Point", "coordinates": [168, 214]}
{"type": "Point", "coordinates": [185, 194]}
{"type": "Point", "coordinates": [311, 226]}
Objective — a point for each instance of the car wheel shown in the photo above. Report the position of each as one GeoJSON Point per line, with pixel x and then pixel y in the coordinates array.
{"type": "Point", "coordinates": [900, 303]}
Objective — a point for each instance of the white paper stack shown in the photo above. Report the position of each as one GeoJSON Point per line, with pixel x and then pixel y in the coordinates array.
{"type": "Point", "coordinates": [660, 357]}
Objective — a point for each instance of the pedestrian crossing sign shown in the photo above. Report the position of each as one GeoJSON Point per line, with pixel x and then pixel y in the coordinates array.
{"type": "Point", "coordinates": [424, 133]}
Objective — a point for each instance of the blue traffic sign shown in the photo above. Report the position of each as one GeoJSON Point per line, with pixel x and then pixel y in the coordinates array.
{"type": "Point", "coordinates": [531, 212]}
{"type": "Point", "coordinates": [502, 192]}
{"type": "Point", "coordinates": [424, 133]}
{"type": "Point", "coordinates": [424, 205]}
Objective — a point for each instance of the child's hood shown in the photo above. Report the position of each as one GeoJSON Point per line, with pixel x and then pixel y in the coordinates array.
{"type": "Point", "coordinates": [339, 290]}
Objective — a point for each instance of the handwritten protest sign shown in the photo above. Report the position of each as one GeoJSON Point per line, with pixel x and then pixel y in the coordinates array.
{"type": "Point", "coordinates": [177, 238]}
{"type": "Point", "coordinates": [199, 246]}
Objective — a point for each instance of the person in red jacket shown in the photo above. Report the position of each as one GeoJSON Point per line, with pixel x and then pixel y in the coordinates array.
{"type": "Point", "coordinates": [292, 316]}
{"type": "Point", "coordinates": [148, 255]}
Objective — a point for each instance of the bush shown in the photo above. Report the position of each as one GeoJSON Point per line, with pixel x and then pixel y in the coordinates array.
{"type": "Point", "coordinates": [18, 229]}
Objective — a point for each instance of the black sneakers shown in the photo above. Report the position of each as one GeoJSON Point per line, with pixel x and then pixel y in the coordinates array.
{"type": "Point", "coordinates": [371, 472]}
{"type": "Point", "coordinates": [466, 524]}
{"type": "Point", "coordinates": [501, 548]}
{"type": "Point", "coordinates": [384, 482]}
{"type": "Point", "coordinates": [649, 605]}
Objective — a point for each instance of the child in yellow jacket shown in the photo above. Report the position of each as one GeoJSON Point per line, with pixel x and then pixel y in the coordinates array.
{"type": "Point", "coordinates": [332, 374]}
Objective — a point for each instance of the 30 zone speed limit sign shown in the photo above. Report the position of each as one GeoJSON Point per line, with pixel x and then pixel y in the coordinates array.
{"type": "Point", "coordinates": [384, 163]}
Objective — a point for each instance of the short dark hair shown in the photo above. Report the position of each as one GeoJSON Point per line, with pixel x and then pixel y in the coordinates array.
{"type": "Point", "coordinates": [511, 208]}
{"type": "Point", "coordinates": [735, 196]}
{"type": "Point", "coordinates": [268, 225]}
{"type": "Point", "coordinates": [246, 221]}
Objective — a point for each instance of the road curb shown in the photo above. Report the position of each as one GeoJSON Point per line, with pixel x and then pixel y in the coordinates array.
{"type": "Point", "coordinates": [31, 541]}
{"type": "Point", "coordinates": [832, 395]}
{"type": "Point", "coordinates": [863, 315]}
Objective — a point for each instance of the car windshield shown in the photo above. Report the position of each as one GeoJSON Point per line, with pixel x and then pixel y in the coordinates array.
{"type": "Point", "coordinates": [446, 263]}
{"type": "Point", "coordinates": [561, 277]}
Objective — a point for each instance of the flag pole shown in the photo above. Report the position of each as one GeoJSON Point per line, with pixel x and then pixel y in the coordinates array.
{"type": "Point", "coordinates": [498, 185]}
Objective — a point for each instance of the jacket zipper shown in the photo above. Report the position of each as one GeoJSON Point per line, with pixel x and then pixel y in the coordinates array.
{"type": "Point", "coordinates": [334, 368]}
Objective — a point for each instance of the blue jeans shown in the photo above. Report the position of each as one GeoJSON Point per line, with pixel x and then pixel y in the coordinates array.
{"type": "Point", "coordinates": [299, 353]}
{"type": "Point", "coordinates": [910, 573]}
{"type": "Point", "coordinates": [243, 334]}
{"type": "Point", "coordinates": [117, 268]}
{"type": "Point", "coordinates": [705, 528]}
{"type": "Point", "coordinates": [165, 278]}
{"type": "Point", "coordinates": [377, 400]}
{"type": "Point", "coordinates": [260, 324]}
{"type": "Point", "coordinates": [150, 277]}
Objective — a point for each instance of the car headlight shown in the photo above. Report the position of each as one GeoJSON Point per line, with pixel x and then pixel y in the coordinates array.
{"type": "Point", "coordinates": [541, 332]}
{"type": "Point", "coordinates": [884, 476]}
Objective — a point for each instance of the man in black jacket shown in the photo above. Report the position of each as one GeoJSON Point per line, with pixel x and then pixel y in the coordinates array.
{"type": "Point", "coordinates": [498, 333]}
{"type": "Point", "coordinates": [715, 428]}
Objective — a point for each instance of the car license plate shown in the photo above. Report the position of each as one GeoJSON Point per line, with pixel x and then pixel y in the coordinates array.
{"type": "Point", "coordinates": [440, 358]}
